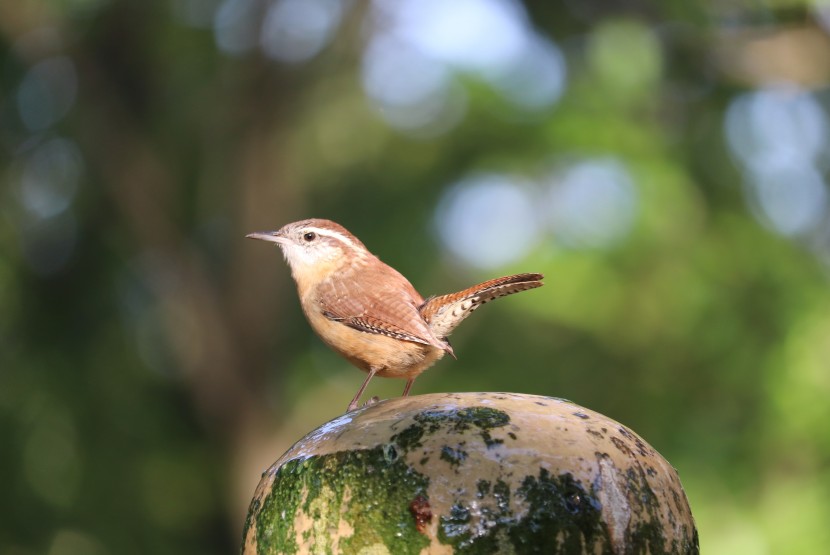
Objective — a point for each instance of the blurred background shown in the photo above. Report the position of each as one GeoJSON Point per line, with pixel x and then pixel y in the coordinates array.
{"type": "Point", "coordinates": [665, 164]}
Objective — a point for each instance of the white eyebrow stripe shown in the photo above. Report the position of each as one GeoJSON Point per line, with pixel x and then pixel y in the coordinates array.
{"type": "Point", "coordinates": [333, 234]}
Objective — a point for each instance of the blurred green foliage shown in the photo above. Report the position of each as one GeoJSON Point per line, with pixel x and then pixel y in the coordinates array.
{"type": "Point", "coordinates": [153, 362]}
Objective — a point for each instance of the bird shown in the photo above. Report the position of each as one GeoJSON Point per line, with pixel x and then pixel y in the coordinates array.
{"type": "Point", "coordinates": [367, 311]}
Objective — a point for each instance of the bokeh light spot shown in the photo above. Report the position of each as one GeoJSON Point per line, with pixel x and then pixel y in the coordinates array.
{"type": "Point", "coordinates": [488, 220]}
{"type": "Point", "coordinates": [792, 199]}
{"type": "Point", "coordinates": [537, 79]}
{"type": "Point", "coordinates": [397, 75]}
{"type": "Point", "coordinates": [477, 35]}
{"type": "Point", "coordinates": [591, 204]}
{"type": "Point", "coordinates": [776, 126]}
{"type": "Point", "coordinates": [47, 92]}
{"type": "Point", "coordinates": [419, 46]}
{"type": "Point", "coordinates": [779, 137]}
{"type": "Point", "coordinates": [297, 30]}
{"type": "Point", "coordinates": [235, 24]}
{"type": "Point", "coordinates": [626, 55]}
{"type": "Point", "coordinates": [412, 91]}
{"type": "Point", "coordinates": [50, 177]}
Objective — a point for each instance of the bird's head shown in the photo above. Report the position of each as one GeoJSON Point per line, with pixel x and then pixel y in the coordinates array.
{"type": "Point", "coordinates": [314, 248]}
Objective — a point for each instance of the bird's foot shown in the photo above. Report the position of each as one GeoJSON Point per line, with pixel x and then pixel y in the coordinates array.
{"type": "Point", "coordinates": [372, 401]}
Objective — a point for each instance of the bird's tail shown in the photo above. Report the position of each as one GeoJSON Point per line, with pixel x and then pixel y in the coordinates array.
{"type": "Point", "coordinates": [444, 313]}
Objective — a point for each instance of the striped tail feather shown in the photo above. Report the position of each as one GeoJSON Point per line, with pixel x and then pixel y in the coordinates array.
{"type": "Point", "coordinates": [444, 313]}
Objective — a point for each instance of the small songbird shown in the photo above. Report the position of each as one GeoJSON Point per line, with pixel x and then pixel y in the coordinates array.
{"type": "Point", "coordinates": [367, 311]}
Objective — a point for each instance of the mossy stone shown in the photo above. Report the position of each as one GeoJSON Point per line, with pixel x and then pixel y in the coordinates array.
{"type": "Point", "coordinates": [470, 473]}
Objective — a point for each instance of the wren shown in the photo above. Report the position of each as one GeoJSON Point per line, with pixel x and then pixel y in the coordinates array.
{"type": "Point", "coordinates": [367, 311]}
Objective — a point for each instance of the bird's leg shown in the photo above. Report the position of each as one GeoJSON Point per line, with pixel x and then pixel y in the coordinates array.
{"type": "Point", "coordinates": [353, 404]}
{"type": "Point", "coordinates": [407, 387]}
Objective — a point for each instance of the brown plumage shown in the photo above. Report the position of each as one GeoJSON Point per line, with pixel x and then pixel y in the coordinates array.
{"type": "Point", "coordinates": [367, 311]}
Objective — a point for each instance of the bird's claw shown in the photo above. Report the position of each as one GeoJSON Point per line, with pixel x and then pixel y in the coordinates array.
{"type": "Point", "coordinates": [372, 401]}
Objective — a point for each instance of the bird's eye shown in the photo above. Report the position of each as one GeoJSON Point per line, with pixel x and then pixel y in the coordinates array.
{"type": "Point", "coordinates": [310, 236]}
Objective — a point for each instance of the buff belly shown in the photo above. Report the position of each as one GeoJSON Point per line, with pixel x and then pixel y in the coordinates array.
{"type": "Point", "coordinates": [390, 357]}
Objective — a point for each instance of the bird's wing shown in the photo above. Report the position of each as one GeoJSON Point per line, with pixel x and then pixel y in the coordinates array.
{"type": "Point", "coordinates": [370, 324]}
{"type": "Point", "coordinates": [444, 313]}
{"type": "Point", "coordinates": [377, 301]}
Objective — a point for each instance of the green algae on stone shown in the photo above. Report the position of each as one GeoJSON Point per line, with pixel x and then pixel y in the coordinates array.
{"type": "Point", "coordinates": [486, 531]}
{"type": "Point", "coordinates": [275, 520]}
{"type": "Point", "coordinates": [429, 422]}
{"type": "Point", "coordinates": [648, 537]}
{"type": "Point", "coordinates": [482, 488]}
{"type": "Point", "coordinates": [454, 456]}
{"type": "Point", "coordinates": [366, 492]}
{"type": "Point", "coordinates": [464, 533]}
{"type": "Point", "coordinates": [561, 517]}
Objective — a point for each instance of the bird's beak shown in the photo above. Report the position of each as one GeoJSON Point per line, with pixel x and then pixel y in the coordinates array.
{"type": "Point", "coordinates": [271, 236]}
